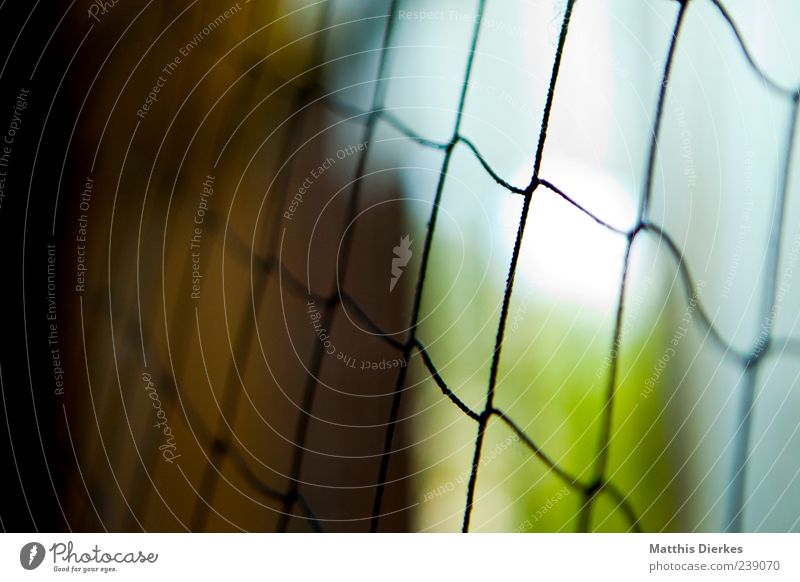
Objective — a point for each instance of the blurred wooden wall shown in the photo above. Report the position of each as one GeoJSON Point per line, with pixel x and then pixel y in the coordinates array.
{"type": "Point", "coordinates": [229, 367]}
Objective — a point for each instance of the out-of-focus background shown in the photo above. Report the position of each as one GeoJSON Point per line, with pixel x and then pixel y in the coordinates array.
{"type": "Point", "coordinates": [508, 265]}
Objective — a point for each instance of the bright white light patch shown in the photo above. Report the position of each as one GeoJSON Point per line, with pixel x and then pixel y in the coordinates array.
{"type": "Point", "coordinates": [565, 253]}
